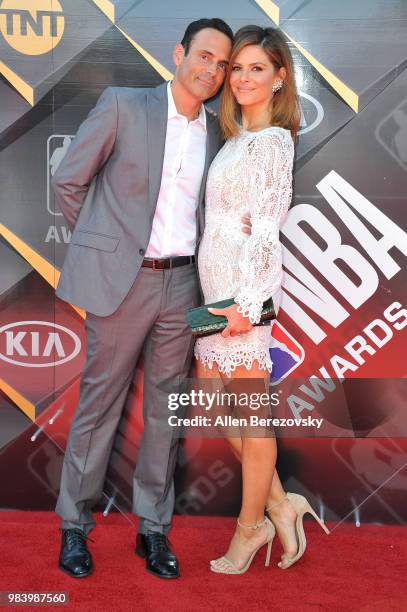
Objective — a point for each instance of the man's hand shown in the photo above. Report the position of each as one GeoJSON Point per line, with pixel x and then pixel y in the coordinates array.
{"type": "Point", "coordinates": [247, 225]}
{"type": "Point", "coordinates": [237, 323]}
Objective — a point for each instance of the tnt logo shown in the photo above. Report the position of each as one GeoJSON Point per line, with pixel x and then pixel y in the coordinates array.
{"type": "Point", "coordinates": [32, 27]}
{"type": "Point", "coordinates": [285, 352]}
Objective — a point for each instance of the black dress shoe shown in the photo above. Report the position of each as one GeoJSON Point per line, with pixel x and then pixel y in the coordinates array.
{"type": "Point", "coordinates": [75, 559]}
{"type": "Point", "coordinates": [160, 560]}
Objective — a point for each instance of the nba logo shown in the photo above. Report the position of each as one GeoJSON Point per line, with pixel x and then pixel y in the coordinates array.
{"type": "Point", "coordinates": [285, 352]}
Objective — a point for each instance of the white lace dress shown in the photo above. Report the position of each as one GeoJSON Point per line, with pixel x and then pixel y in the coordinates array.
{"type": "Point", "coordinates": [251, 173]}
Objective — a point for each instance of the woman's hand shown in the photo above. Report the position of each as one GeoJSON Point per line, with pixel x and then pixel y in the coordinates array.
{"type": "Point", "coordinates": [247, 224]}
{"type": "Point", "coordinates": [237, 323]}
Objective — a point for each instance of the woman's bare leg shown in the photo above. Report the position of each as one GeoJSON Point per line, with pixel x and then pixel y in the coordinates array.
{"type": "Point", "coordinates": [283, 514]}
{"type": "Point", "coordinates": [258, 461]}
{"type": "Point", "coordinates": [204, 374]}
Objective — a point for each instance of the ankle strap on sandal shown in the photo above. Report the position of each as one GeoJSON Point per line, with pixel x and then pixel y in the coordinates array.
{"type": "Point", "coordinates": [256, 526]}
{"type": "Point", "coordinates": [277, 503]}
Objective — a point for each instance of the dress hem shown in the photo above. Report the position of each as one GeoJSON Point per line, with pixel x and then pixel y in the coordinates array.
{"type": "Point", "coordinates": [264, 362]}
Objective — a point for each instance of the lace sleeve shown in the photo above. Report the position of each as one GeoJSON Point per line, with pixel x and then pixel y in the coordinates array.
{"type": "Point", "coordinates": [269, 185]}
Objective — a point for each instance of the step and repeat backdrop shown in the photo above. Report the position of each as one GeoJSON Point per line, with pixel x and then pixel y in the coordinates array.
{"type": "Point", "coordinates": [339, 344]}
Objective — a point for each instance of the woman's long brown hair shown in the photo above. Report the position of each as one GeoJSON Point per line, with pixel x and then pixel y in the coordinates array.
{"type": "Point", "coordinates": [285, 108]}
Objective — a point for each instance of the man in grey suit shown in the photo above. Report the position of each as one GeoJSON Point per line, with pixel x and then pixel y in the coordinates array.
{"type": "Point", "coordinates": [131, 189]}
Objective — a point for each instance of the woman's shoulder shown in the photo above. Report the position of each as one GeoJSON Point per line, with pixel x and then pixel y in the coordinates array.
{"type": "Point", "coordinates": [272, 131]}
{"type": "Point", "coordinates": [268, 138]}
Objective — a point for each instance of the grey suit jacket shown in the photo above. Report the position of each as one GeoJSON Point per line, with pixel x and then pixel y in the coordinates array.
{"type": "Point", "coordinates": [107, 187]}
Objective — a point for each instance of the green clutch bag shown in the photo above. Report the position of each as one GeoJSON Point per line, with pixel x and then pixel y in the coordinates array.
{"type": "Point", "coordinates": [203, 323]}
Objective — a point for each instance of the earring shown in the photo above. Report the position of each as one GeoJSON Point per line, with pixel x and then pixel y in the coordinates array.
{"type": "Point", "coordinates": [277, 86]}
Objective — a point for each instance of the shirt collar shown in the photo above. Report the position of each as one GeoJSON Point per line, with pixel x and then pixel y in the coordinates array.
{"type": "Point", "coordinates": [172, 109]}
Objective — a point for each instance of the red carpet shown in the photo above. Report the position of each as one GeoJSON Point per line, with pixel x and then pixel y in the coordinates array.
{"type": "Point", "coordinates": [361, 569]}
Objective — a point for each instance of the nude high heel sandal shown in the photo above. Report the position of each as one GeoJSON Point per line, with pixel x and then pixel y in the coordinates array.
{"type": "Point", "coordinates": [301, 506]}
{"type": "Point", "coordinates": [224, 566]}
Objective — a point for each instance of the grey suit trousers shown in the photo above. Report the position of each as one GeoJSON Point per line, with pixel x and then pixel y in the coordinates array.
{"type": "Point", "coordinates": [152, 316]}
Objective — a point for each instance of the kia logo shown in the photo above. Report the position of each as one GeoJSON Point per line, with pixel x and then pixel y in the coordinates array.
{"type": "Point", "coordinates": [38, 344]}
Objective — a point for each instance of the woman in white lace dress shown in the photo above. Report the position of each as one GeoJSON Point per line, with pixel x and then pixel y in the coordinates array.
{"type": "Point", "coordinates": [252, 173]}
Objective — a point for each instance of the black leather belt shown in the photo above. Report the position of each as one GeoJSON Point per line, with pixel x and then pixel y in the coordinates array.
{"type": "Point", "coordinates": [169, 262]}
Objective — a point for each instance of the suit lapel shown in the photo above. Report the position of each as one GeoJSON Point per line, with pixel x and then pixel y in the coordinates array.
{"type": "Point", "coordinates": [157, 114]}
{"type": "Point", "coordinates": [212, 147]}
{"type": "Point", "coordinates": [212, 144]}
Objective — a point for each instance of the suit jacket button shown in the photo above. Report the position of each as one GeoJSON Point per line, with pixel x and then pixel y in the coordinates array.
{"type": "Point", "coordinates": [141, 251]}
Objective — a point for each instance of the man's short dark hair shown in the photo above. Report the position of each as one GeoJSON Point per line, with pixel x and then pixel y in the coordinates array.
{"type": "Point", "coordinates": [201, 24]}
